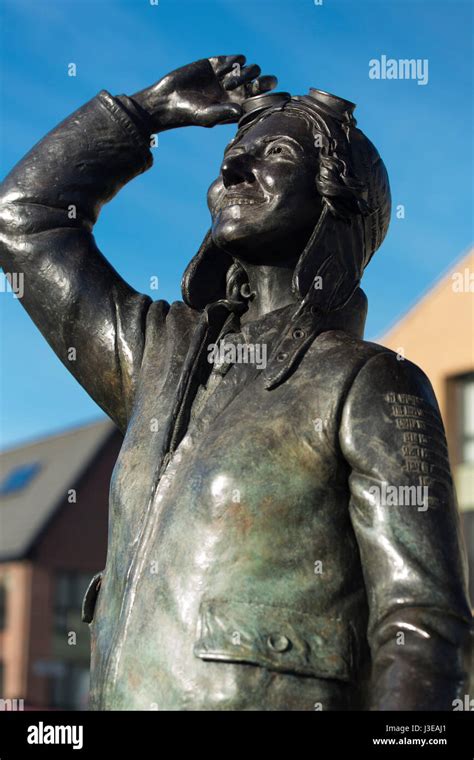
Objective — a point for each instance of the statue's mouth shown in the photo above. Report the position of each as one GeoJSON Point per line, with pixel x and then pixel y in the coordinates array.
{"type": "Point", "coordinates": [234, 199]}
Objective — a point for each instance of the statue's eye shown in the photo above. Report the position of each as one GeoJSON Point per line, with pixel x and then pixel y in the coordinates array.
{"type": "Point", "coordinates": [279, 149]}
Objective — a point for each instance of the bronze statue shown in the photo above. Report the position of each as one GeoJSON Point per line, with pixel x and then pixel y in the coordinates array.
{"type": "Point", "coordinates": [265, 552]}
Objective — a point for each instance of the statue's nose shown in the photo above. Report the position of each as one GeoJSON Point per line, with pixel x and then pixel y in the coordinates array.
{"type": "Point", "coordinates": [237, 169]}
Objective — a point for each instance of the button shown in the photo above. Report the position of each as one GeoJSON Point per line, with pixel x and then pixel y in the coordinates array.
{"type": "Point", "coordinates": [298, 333]}
{"type": "Point", "coordinates": [278, 643]}
{"type": "Point", "coordinates": [281, 357]}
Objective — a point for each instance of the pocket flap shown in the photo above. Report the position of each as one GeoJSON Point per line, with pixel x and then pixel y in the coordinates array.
{"type": "Point", "coordinates": [90, 598]}
{"type": "Point", "coordinates": [277, 638]}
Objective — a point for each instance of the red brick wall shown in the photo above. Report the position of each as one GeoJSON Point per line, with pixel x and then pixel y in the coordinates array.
{"type": "Point", "coordinates": [13, 639]}
{"type": "Point", "coordinates": [75, 540]}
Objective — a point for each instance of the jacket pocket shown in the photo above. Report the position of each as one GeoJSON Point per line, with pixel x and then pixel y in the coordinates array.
{"type": "Point", "coordinates": [277, 638]}
{"type": "Point", "coordinates": [90, 598]}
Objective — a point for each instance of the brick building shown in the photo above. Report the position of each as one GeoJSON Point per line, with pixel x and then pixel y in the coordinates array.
{"type": "Point", "coordinates": [53, 539]}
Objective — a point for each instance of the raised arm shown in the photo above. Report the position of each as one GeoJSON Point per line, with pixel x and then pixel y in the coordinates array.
{"type": "Point", "coordinates": [50, 202]}
{"type": "Point", "coordinates": [405, 519]}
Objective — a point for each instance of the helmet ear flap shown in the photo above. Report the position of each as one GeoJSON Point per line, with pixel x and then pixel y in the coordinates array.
{"type": "Point", "coordinates": [353, 184]}
{"type": "Point", "coordinates": [331, 266]}
{"type": "Point", "coordinates": [204, 280]}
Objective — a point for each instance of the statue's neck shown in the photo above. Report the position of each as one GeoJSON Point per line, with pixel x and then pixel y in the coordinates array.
{"type": "Point", "coordinates": [271, 289]}
{"type": "Point", "coordinates": [271, 277]}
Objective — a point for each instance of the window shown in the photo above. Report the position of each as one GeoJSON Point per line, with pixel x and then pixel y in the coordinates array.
{"type": "Point", "coordinates": [70, 687]}
{"type": "Point", "coordinates": [70, 590]}
{"type": "Point", "coordinates": [466, 419]}
{"type": "Point", "coordinates": [69, 681]}
{"type": "Point", "coordinates": [18, 478]}
{"type": "Point", "coordinates": [3, 606]}
{"type": "Point", "coordinates": [463, 440]}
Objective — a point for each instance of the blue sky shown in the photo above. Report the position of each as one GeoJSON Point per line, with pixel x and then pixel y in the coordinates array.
{"type": "Point", "coordinates": [424, 134]}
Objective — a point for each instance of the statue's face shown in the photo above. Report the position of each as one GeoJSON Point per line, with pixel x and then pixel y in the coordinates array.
{"type": "Point", "coordinates": [265, 199]}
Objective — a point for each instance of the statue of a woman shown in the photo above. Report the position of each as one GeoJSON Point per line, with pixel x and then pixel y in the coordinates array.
{"type": "Point", "coordinates": [255, 561]}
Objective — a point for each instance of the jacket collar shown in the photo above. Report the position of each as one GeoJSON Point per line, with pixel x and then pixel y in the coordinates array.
{"type": "Point", "coordinates": [291, 330]}
{"type": "Point", "coordinates": [296, 329]}
{"type": "Point", "coordinates": [306, 323]}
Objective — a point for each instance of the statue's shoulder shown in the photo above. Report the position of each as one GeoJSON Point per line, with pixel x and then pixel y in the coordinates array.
{"type": "Point", "coordinates": [369, 367]}
{"type": "Point", "coordinates": [345, 348]}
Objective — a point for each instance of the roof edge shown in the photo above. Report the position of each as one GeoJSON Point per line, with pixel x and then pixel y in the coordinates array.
{"type": "Point", "coordinates": [468, 251]}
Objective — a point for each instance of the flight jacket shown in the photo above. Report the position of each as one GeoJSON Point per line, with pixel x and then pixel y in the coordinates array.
{"type": "Point", "coordinates": [256, 560]}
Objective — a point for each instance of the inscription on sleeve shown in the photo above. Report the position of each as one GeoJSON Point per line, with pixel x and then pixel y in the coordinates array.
{"type": "Point", "coordinates": [422, 440]}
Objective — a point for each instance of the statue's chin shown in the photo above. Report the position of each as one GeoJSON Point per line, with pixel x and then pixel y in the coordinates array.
{"type": "Point", "coordinates": [231, 235]}
{"type": "Point", "coordinates": [243, 230]}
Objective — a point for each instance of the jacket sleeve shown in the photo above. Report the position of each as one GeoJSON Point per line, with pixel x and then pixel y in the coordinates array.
{"type": "Point", "coordinates": [48, 205]}
{"type": "Point", "coordinates": [404, 514]}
